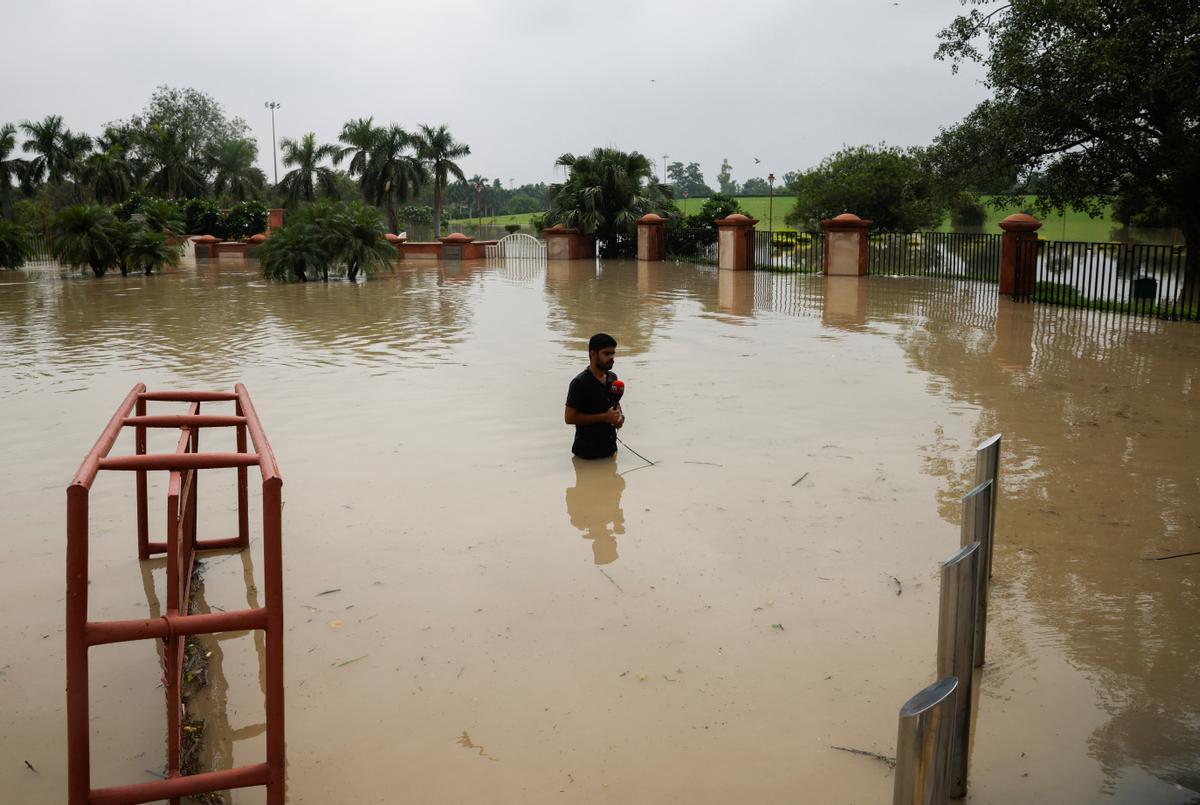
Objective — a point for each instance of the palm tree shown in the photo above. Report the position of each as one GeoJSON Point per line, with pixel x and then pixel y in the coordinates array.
{"type": "Point", "coordinates": [235, 174]}
{"type": "Point", "coordinates": [364, 247]}
{"type": "Point", "coordinates": [86, 235]}
{"type": "Point", "coordinates": [605, 193]}
{"type": "Point", "coordinates": [438, 148]}
{"type": "Point", "coordinates": [45, 142]}
{"type": "Point", "coordinates": [359, 138]}
{"type": "Point", "coordinates": [75, 150]}
{"type": "Point", "coordinates": [10, 169]}
{"type": "Point", "coordinates": [109, 171]}
{"type": "Point", "coordinates": [394, 174]}
{"type": "Point", "coordinates": [149, 250]}
{"type": "Point", "coordinates": [301, 182]}
{"type": "Point", "coordinates": [289, 253]}
{"type": "Point", "coordinates": [14, 244]}
{"type": "Point", "coordinates": [173, 172]}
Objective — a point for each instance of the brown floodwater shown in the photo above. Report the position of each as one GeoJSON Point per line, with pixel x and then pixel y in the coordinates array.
{"type": "Point", "coordinates": [510, 626]}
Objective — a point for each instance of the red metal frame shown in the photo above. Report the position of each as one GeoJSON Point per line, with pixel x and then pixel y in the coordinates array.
{"type": "Point", "coordinates": [180, 546]}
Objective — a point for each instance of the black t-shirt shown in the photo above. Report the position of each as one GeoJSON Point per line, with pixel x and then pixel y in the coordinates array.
{"type": "Point", "coordinates": [587, 395]}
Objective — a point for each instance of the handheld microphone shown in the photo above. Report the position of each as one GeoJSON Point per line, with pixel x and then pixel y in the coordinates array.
{"type": "Point", "coordinates": [615, 391]}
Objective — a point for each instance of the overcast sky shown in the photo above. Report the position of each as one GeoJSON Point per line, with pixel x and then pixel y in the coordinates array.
{"type": "Point", "coordinates": [520, 82]}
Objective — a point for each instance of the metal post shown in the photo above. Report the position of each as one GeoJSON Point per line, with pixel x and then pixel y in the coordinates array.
{"type": "Point", "coordinates": [923, 745]}
{"type": "Point", "coordinates": [956, 653]}
{"type": "Point", "coordinates": [987, 468]}
{"type": "Point", "coordinates": [143, 508]}
{"type": "Point", "coordinates": [272, 105]}
{"type": "Point", "coordinates": [273, 599]}
{"type": "Point", "coordinates": [976, 527]}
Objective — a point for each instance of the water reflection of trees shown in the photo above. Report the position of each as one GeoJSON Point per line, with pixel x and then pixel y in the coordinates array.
{"type": "Point", "coordinates": [1100, 472]}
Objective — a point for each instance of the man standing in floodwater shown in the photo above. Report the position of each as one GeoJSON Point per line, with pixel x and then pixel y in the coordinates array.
{"type": "Point", "coordinates": [590, 405]}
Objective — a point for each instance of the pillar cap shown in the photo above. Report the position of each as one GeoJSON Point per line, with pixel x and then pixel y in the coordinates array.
{"type": "Point", "coordinates": [456, 237]}
{"type": "Point", "coordinates": [1020, 222]}
{"type": "Point", "coordinates": [206, 239]}
{"type": "Point", "coordinates": [394, 238]}
{"type": "Point", "coordinates": [256, 239]}
{"type": "Point", "coordinates": [736, 219]}
{"type": "Point", "coordinates": [652, 218]}
{"type": "Point", "coordinates": [846, 220]}
{"type": "Point", "coordinates": [559, 229]}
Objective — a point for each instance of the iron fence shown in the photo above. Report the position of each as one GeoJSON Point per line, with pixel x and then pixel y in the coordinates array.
{"type": "Point", "coordinates": [1128, 278]}
{"type": "Point", "coordinates": [961, 255]}
{"type": "Point", "coordinates": [694, 243]}
{"type": "Point", "coordinates": [802, 252]}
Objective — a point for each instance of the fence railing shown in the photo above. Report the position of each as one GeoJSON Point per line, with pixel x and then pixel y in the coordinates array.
{"type": "Point", "coordinates": [1132, 278]}
{"type": "Point", "coordinates": [698, 243]}
{"type": "Point", "coordinates": [960, 255]}
{"type": "Point", "coordinates": [802, 252]}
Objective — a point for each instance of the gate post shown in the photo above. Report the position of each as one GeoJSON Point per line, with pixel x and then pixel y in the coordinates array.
{"type": "Point", "coordinates": [845, 245]}
{"type": "Point", "coordinates": [735, 242]}
{"type": "Point", "coordinates": [1018, 254]}
{"type": "Point", "coordinates": [652, 237]}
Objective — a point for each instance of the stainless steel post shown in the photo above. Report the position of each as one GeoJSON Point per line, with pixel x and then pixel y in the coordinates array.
{"type": "Point", "coordinates": [923, 745]}
{"type": "Point", "coordinates": [976, 527]}
{"type": "Point", "coordinates": [987, 468]}
{"type": "Point", "coordinates": [956, 653]}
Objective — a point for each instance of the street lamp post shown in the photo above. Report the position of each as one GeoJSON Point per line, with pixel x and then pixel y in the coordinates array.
{"type": "Point", "coordinates": [273, 105]}
{"type": "Point", "coordinates": [663, 179]}
{"type": "Point", "coordinates": [479, 206]}
{"type": "Point", "coordinates": [770, 207]}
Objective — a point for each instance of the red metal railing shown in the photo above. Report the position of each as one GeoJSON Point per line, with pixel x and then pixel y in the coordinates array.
{"type": "Point", "coordinates": [180, 546]}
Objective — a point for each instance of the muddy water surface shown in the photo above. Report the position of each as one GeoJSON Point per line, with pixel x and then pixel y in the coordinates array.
{"type": "Point", "coordinates": [472, 616]}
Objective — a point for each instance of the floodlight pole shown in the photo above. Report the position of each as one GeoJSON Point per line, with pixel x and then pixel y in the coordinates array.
{"type": "Point", "coordinates": [272, 105]}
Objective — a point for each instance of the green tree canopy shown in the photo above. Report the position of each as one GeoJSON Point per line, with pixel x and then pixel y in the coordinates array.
{"type": "Point", "coordinates": [725, 180]}
{"type": "Point", "coordinates": [890, 186]}
{"type": "Point", "coordinates": [606, 191]}
{"type": "Point", "coordinates": [688, 179]}
{"type": "Point", "coordinates": [1098, 98]}
{"type": "Point", "coordinates": [305, 157]}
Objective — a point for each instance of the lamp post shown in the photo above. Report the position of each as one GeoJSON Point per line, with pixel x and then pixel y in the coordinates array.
{"type": "Point", "coordinates": [273, 105]}
{"type": "Point", "coordinates": [664, 170]}
{"type": "Point", "coordinates": [770, 207]}
{"type": "Point", "coordinates": [479, 206]}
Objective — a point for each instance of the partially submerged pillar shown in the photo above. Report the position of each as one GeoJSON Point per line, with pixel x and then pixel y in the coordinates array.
{"type": "Point", "coordinates": [735, 242]}
{"type": "Point", "coordinates": [456, 246]}
{"type": "Point", "coordinates": [652, 237]}
{"type": "Point", "coordinates": [563, 243]}
{"type": "Point", "coordinates": [206, 246]}
{"type": "Point", "coordinates": [1018, 254]}
{"type": "Point", "coordinates": [845, 245]}
{"type": "Point", "coordinates": [254, 243]}
{"type": "Point", "coordinates": [274, 218]}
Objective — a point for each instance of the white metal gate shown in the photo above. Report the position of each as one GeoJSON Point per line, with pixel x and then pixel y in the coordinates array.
{"type": "Point", "coordinates": [517, 246]}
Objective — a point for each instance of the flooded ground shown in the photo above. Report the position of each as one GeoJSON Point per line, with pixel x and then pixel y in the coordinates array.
{"type": "Point", "coordinates": [472, 616]}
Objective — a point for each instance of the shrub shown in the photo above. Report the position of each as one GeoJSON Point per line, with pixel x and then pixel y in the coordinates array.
{"type": "Point", "coordinates": [203, 217]}
{"type": "Point", "coordinates": [244, 219]}
{"type": "Point", "coordinates": [14, 244]}
{"type": "Point", "coordinates": [512, 228]}
{"type": "Point", "coordinates": [86, 235]}
{"type": "Point", "coordinates": [149, 250]}
{"type": "Point", "coordinates": [325, 237]}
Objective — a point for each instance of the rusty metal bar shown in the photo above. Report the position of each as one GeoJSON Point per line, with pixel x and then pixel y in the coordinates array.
{"type": "Point", "coordinates": [180, 461]}
{"type": "Point", "coordinates": [182, 420]}
{"type": "Point", "coordinates": [180, 545]}
{"type": "Point", "coordinates": [86, 473]}
{"type": "Point", "coordinates": [155, 790]}
{"type": "Point", "coordinates": [188, 396]}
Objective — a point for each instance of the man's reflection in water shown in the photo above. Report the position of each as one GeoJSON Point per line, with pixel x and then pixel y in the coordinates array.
{"type": "Point", "coordinates": [594, 505]}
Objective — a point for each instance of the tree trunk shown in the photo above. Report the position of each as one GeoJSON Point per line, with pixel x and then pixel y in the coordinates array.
{"type": "Point", "coordinates": [97, 269]}
{"type": "Point", "coordinates": [393, 219]}
{"type": "Point", "coordinates": [352, 272]}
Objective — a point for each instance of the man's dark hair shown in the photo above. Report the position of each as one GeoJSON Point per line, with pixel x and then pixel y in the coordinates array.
{"type": "Point", "coordinates": [601, 341]}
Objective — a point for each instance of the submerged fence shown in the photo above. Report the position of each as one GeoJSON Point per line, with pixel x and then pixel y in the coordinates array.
{"type": "Point", "coordinates": [802, 252]}
{"type": "Point", "coordinates": [960, 255]}
{"type": "Point", "coordinates": [698, 243]}
{"type": "Point", "coordinates": [1130, 278]}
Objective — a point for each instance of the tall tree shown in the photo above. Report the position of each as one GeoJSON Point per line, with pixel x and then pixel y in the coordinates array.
{"type": "Point", "coordinates": [439, 150]}
{"type": "Point", "coordinates": [688, 179]}
{"type": "Point", "coordinates": [606, 191]}
{"type": "Point", "coordinates": [358, 139]}
{"type": "Point", "coordinates": [10, 167]}
{"type": "Point", "coordinates": [1100, 98]}
{"type": "Point", "coordinates": [173, 171]}
{"type": "Point", "coordinates": [76, 147]}
{"type": "Point", "coordinates": [235, 175]}
{"type": "Point", "coordinates": [45, 142]}
{"type": "Point", "coordinates": [394, 173]}
{"type": "Point", "coordinates": [725, 180]}
{"type": "Point", "coordinates": [198, 118]}
{"type": "Point", "coordinates": [305, 156]}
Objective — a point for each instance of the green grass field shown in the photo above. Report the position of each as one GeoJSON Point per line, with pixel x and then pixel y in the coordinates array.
{"type": "Point", "coordinates": [1075, 226]}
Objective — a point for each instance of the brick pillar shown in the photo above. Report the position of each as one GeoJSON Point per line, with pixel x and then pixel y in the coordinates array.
{"type": "Point", "coordinates": [274, 219]}
{"type": "Point", "coordinates": [568, 244]}
{"type": "Point", "coordinates": [206, 246]}
{"type": "Point", "coordinates": [456, 246]}
{"type": "Point", "coordinates": [652, 237]}
{"type": "Point", "coordinates": [1019, 228]}
{"type": "Point", "coordinates": [735, 242]}
{"type": "Point", "coordinates": [845, 245]}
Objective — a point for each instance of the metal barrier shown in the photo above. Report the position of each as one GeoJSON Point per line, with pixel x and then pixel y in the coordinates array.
{"type": "Point", "coordinates": [180, 546]}
{"type": "Point", "coordinates": [977, 527]}
{"type": "Point", "coordinates": [987, 468]}
{"type": "Point", "coordinates": [956, 653]}
{"type": "Point", "coordinates": [516, 246]}
{"type": "Point", "coordinates": [923, 744]}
